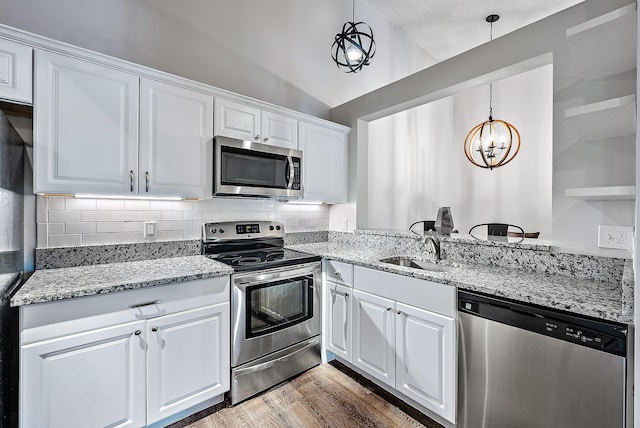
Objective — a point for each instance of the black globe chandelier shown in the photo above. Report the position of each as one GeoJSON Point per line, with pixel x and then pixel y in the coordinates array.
{"type": "Point", "coordinates": [354, 47]}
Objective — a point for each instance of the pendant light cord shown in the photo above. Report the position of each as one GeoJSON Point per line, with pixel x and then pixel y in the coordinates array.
{"type": "Point", "coordinates": [491, 84]}
{"type": "Point", "coordinates": [353, 11]}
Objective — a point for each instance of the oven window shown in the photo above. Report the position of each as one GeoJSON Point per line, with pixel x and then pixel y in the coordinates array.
{"type": "Point", "coordinates": [278, 305]}
{"type": "Point", "coordinates": [241, 167]}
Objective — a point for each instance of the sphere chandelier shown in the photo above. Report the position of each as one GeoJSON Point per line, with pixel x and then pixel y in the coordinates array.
{"type": "Point", "coordinates": [492, 143]}
{"type": "Point", "coordinates": [353, 47]}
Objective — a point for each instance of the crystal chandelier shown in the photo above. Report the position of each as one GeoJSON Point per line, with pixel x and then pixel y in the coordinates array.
{"type": "Point", "coordinates": [492, 143]}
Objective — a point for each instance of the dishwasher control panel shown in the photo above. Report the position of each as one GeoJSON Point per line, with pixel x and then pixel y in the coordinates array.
{"type": "Point", "coordinates": [592, 333]}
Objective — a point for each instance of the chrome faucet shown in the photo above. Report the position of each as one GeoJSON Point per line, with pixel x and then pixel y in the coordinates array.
{"type": "Point", "coordinates": [433, 244]}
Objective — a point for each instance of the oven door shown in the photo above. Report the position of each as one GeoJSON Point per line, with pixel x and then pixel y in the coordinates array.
{"type": "Point", "coordinates": [273, 309]}
{"type": "Point", "coordinates": [254, 169]}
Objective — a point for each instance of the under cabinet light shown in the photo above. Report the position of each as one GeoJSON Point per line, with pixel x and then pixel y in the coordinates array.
{"type": "Point", "coordinates": [144, 198]}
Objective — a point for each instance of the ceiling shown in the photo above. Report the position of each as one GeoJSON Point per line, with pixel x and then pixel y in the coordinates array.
{"type": "Point", "coordinates": [445, 28]}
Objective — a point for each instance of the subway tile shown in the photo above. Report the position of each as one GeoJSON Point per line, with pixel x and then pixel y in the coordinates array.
{"type": "Point", "coordinates": [172, 235]}
{"type": "Point", "coordinates": [192, 234]}
{"type": "Point", "coordinates": [123, 216]}
{"type": "Point", "coordinates": [42, 235]}
{"type": "Point", "coordinates": [56, 216]}
{"type": "Point", "coordinates": [164, 225]}
{"type": "Point", "coordinates": [161, 205]}
{"type": "Point", "coordinates": [110, 204]}
{"type": "Point", "coordinates": [96, 239]}
{"type": "Point", "coordinates": [56, 229]}
{"type": "Point", "coordinates": [181, 225]}
{"type": "Point", "coordinates": [149, 215]}
{"type": "Point", "coordinates": [65, 240]}
{"type": "Point", "coordinates": [171, 215]}
{"type": "Point", "coordinates": [210, 216]}
{"type": "Point", "coordinates": [80, 204]}
{"type": "Point", "coordinates": [109, 227]}
{"type": "Point", "coordinates": [192, 215]}
{"type": "Point", "coordinates": [203, 206]}
{"type": "Point", "coordinates": [55, 203]}
{"type": "Point", "coordinates": [182, 206]}
{"type": "Point", "coordinates": [41, 209]}
{"type": "Point", "coordinates": [135, 205]}
{"type": "Point", "coordinates": [292, 222]}
{"type": "Point", "coordinates": [80, 227]}
{"type": "Point", "coordinates": [125, 237]}
{"type": "Point", "coordinates": [96, 215]}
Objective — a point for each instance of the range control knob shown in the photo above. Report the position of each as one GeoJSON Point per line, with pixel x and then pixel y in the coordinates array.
{"type": "Point", "coordinates": [277, 227]}
{"type": "Point", "coordinates": [271, 227]}
{"type": "Point", "coordinates": [212, 229]}
{"type": "Point", "coordinates": [221, 230]}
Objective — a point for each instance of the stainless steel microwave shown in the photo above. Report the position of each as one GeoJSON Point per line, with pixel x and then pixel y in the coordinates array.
{"type": "Point", "coordinates": [245, 168]}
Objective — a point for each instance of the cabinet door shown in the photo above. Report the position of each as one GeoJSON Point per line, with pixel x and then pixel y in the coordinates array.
{"type": "Point", "coordinates": [91, 379]}
{"type": "Point", "coordinates": [338, 320]}
{"type": "Point", "coordinates": [176, 141]}
{"type": "Point", "coordinates": [16, 72]}
{"type": "Point", "coordinates": [86, 127]}
{"type": "Point", "coordinates": [235, 120]}
{"type": "Point", "coordinates": [374, 336]}
{"type": "Point", "coordinates": [188, 359]}
{"type": "Point", "coordinates": [324, 167]}
{"type": "Point", "coordinates": [279, 130]}
{"type": "Point", "coordinates": [426, 359]}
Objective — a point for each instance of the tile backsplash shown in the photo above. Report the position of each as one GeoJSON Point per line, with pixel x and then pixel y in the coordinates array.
{"type": "Point", "coordinates": [63, 221]}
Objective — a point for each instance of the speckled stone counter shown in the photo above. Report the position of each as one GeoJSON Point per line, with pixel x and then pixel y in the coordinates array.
{"type": "Point", "coordinates": [67, 283]}
{"type": "Point", "coordinates": [599, 299]}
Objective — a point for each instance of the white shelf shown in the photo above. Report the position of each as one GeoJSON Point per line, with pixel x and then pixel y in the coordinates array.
{"type": "Point", "coordinates": [605, 45]}
{"type": "Point", "coordinates": [610, 193]}
{"type": "Point", "coordinates": [606, 119]}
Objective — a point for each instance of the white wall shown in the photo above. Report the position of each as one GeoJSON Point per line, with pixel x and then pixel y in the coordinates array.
{"type": "Point", "coordinates": [277, 51]}
{"type": "Point", "coordinates": [417, 163]}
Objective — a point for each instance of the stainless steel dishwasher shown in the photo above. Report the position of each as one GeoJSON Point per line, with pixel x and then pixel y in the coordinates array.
{"type": "Point", "coordinates": [522, 366]}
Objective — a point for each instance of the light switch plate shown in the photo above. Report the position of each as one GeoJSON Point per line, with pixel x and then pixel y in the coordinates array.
{"type": "Point", "coordinates": [150, 228]}
{"type": "Point", "coordinates": [619, 237]}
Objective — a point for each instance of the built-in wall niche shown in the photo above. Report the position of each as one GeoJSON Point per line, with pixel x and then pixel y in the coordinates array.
{"type": "Point", "coordinates": [416, 160]}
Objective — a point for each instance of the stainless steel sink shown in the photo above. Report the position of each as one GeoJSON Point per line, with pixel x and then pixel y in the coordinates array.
{"type": "Point", "coordinates": [405, 261]}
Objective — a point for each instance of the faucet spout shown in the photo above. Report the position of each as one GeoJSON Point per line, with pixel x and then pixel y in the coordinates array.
{"type": "Point", "coordinates": [433, 244]}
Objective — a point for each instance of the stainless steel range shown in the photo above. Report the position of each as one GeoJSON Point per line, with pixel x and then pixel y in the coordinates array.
{"type": "Point", "coordinates": [275, 304]}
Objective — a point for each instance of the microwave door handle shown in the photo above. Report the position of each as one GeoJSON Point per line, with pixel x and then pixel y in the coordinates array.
{"type": "Point", "coordinates": [290, 173]}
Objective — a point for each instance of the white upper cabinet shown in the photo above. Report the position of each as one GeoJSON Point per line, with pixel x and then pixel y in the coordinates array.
{"type": "Point", "coordinates": [86, 127]}
{"type": "Point", "coordinates": [176, 141]}
{"type": "Point", "coordinates": [16, 76]}
{"type": "Point", "coordinates": [324, 163]}
{"type": "Point", "coordinates": [279, 130]}
{"type": "Point", "coordinates": [236, 120]}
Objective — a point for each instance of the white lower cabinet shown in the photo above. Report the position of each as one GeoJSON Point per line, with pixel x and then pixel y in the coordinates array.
{"type": "Point", "coordinates": [91, 379]}
{"type": "Point", "coordinates": [88, 363]}
{"type": "Point", "coordinates": [338, 320]}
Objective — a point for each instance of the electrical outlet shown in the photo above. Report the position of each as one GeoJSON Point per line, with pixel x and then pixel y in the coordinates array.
{"type": "Point", "coordinates": [345, 223]}
{"type": "Point", "coordinates": [619, 237]}
{"type": "Point", "coordinates": [150, 228]}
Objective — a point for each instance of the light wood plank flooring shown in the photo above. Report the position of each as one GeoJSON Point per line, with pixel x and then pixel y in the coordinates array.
{"type": "Point", "coordinates": [325, 396]}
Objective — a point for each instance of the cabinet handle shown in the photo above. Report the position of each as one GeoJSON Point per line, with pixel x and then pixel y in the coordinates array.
{"type": "Point", "coordinates": [346, 294]}
{"type": "Point", "coordinates": [139, 305]}
{"type": "Point", "coordinates": [146, 180]}
{"type": "Point", "coordinates": [399, 312]}
{"type": "Point", "coordinates": [137, 332]}
{"type": "Point", "coordinates": [336, 273]}
{"type": "Point", "coordinates": [131, 179]}
{"type": "Point", "coordinates": [265, 139]}
{"type": "Point", "coordinates": [257, 137]}
{"type": "Point", "coordinates": [154, 329]}
{"type": "Point", "coordinates": [388, 309]}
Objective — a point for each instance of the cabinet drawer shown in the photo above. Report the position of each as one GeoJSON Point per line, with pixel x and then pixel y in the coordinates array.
{"type": "Point", "coordinates": [339, 272]}
{"type": "Point", "coordinates": [432, 296]}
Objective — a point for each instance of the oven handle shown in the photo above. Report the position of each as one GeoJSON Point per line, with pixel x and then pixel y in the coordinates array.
{"type": "Point", "coordinates": [272, 363]}
{"type": "Point", "coordinates": [250, 278]}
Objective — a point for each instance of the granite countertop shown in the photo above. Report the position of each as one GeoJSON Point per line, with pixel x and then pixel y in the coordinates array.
{"type": "Point", "coordinates": [587, 297]}
{"type": "Point", "coordinates": [66, 283]}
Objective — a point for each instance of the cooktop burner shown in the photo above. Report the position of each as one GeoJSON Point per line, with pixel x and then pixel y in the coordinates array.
{"type": "Point", "coordinates": [250, 246]}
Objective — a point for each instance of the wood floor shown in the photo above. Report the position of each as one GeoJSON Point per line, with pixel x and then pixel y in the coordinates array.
{"type": "Point", "coordinates": [325, 396]}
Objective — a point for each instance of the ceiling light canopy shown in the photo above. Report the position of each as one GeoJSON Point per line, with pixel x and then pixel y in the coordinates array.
{"type": "Point", "coordinates": [494, 142]}
{"type": "Point", "coordinates": [354, 47]}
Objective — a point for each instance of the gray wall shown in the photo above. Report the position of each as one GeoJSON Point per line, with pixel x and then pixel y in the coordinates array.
{"type": "Point", "coordinates": [574, 222]}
